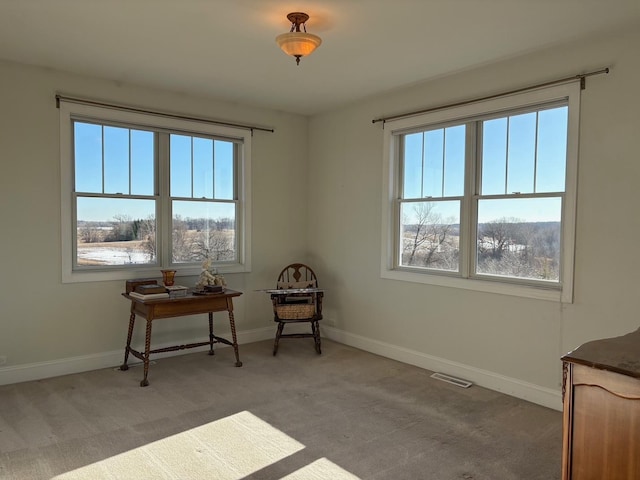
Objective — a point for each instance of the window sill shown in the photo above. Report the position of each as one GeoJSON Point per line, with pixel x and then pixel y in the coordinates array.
{"type": "Point", "coordinates": [500, 288]}
{"type": "Point", "coordinates": [145, 272]}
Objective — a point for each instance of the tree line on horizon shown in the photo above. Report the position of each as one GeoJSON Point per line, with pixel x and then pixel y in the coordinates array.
{"type": "Point", "coordinates": [505, 246]}
{"type": "Point", "coordinates": [193, 239]}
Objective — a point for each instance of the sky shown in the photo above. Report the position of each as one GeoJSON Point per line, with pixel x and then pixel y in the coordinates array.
{"type": "Point", "coordinates": [110, 160]}
{"type": "Point", "coordinates": [523, 153]}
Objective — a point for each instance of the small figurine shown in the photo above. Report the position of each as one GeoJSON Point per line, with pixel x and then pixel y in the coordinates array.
{"type": "Point", "coordinates": [209, 276]}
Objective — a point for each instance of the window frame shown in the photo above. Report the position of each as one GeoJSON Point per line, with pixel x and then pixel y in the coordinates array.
{"type": "Point", "coordinates": [465, 278]}
{"type": "Point", "coordinates": [70, 111]}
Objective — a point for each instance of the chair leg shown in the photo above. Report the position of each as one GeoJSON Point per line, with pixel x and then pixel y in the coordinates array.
{"type": "Point", "coordinates": [315, 327]}
{"type": "Point", "coordinates": [278, 333]}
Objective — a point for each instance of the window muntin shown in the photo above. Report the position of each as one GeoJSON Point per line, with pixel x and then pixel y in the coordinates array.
{"type": "Point", "coordinates": [203, 192]}
{"type": "Point", "coordinates": [115, 201]}
{"type": "Point", "coordinates": [113, 160]}
{"type": "Point", "coordinates": [523, 154]}
{"type": "Point", "coordinates": [124, 173]}
{"type": "Point", "coordinates": [202, 167]}
{"type": "Point", "coordinates": [544, 128]}
{"type": "Point", "coordinates": [433, 163]}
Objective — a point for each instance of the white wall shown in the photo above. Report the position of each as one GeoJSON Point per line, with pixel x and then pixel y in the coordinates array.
{"type": "Point", "coordinates": [43, 321]}
{"type": "Point", "coordinates": [509, 343]}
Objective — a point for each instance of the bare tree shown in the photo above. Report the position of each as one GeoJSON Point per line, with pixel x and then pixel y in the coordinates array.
{"type": "Point", "coordinates": [494, 238]}
{"type": "Point", "coordinates": [513, 247]}
{"type": "Point", "coordinates": [148, 233]}
{"type": "Point", "coordinates": [180, 240]}
{"type": "Point", "coordinates": [214, 244]}
{"type": "Point", "coordinates": [121, 229]}
{"type": "Point", "coordinates": [90, 234]}
{"type": "Point", "coordinates": [427, 235]}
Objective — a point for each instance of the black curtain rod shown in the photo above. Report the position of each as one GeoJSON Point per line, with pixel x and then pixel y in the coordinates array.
{"type": "Point", "coordinates": [580, 77]}
{"type": "Point", "coordinates": [96, 103]}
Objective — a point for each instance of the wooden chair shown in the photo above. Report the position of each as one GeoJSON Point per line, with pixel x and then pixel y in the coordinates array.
{"type": "Point", "coordinates": [298, 307]}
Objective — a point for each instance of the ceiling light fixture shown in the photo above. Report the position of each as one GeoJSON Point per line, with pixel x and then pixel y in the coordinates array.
{"type": "Point", "coordinates": [298, 43]}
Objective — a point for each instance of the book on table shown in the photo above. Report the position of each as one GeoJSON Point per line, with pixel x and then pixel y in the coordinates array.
{"type": "Point", "coordinates": [150, 289]}
{"type": "Point", "coordinates": [176, 291]}
{"type": "Point", "coordinates": [132, 284]}
{"type": "Point", "coordinates": [148, 296]}
{"type": "Point", "coordinates": [146, 289]}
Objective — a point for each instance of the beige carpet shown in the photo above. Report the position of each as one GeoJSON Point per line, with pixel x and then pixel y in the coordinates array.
{"type": "Point", "coordinates": [345, 414]}
{"type": "Point", "coordinates": [248, 445]}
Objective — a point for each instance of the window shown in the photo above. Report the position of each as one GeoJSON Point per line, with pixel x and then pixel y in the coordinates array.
{"type": "Point", "coordinates": [142, 192]}
{"type": "Point", "coordinates": [483, 196]}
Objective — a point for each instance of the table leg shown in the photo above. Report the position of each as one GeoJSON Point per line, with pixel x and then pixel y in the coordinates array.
{"type": "Point", "coordinates": [132, 320]}
{"type": "Point", "coordinates": [147, 347]}
{"type": "Point", "coordinates": [211, 337]}
{"type": "Point", "coordinates": [232, 324]}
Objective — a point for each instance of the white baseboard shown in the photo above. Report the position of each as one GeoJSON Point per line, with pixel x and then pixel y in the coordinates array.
{"type": "Point", "coordinates": [510, 386]}
{"type": "Point", "coordinates": [84, 363]}
{"type": "Point", "coordinates": [484, 378]}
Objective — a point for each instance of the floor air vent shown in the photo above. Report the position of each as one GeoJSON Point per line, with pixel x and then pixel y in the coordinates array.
{"type": "Point", "coordinates": [453, 380]}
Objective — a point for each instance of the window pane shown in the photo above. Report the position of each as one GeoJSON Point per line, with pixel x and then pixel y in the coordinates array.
{"type": "Point", "coordinates": [180, 153]}
{"type": "Point", "coordinates": [202, 168]}
{"type": "Point", "coordinates": [116, 160]}
{"type": "Point", "coordinates": [142, 163]}
{"type": "Point", "coordinates": [88, 157]}
{"type": "Point", "coordinates": [494, 156]}
{"type": "Point", "coordinates": [519, 238]}
{"type": "Point", "coordinates": [224, 171]}
{"type": "Point", "coordinates": [552, 150]}
{"type": "Point", "coordinates": [433, 163]}
{"type": "Point", "coordinates": [203, 229]}
{"type": "Point", "coordinates": [429, 234]}
{"type": "Point", "coordinates": [115, 231]}
{"type": "Point", "coordinates": [454, 155]}
{"type": "Point", "coordinates": [521, 153]}
{"type": "Point", "coordinates": [412, 166]}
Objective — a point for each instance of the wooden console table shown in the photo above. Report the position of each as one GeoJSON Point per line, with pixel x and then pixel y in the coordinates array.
{"type": "Point", "coordinates": [179, 307]}
{"type": "Point", "coordinates": [601, 421]}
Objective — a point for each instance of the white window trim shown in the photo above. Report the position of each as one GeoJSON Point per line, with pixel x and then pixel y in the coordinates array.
{"type": "Point", "coordinates": [390, 178]}
{"type": "Point", "coordinates": [69, 110]}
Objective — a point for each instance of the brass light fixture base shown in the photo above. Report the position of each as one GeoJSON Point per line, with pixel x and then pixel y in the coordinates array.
{"type": "Point", "coordinates": [296, 18]}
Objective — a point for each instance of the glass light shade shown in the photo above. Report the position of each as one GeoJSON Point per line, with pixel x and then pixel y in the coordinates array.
{"type": "Point", "coordinates": [298, 44]}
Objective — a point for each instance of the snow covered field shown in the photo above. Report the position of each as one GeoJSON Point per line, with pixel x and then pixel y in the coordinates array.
{"type": "Point", "coordinates": [92, 255]}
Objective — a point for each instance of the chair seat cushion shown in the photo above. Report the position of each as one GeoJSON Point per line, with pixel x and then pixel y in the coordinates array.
{"type": "Point", "coordinates": [296, 311]}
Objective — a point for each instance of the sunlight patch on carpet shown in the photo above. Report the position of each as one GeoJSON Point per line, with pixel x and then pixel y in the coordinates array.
{"type": "Point", "coordinates": [321, 469]}
{"type": "Point", "coordinates": [228, 449]}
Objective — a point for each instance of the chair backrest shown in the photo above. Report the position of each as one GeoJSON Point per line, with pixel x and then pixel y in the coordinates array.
{"type": "Point", "coordinates": [298, 275]}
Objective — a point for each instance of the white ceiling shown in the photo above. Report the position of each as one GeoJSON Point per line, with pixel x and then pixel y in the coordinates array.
{"type": "Point", "coordinates": [226, 48]}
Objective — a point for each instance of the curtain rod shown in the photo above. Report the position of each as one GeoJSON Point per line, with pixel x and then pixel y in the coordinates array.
{"type": "Point", "coordinates": [580, 77]}
{"type": "Point", "coordinates": [96, 103]}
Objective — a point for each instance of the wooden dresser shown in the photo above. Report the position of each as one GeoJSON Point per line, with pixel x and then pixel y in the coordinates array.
{"type": "Point", "coordinates": [601, 418]}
